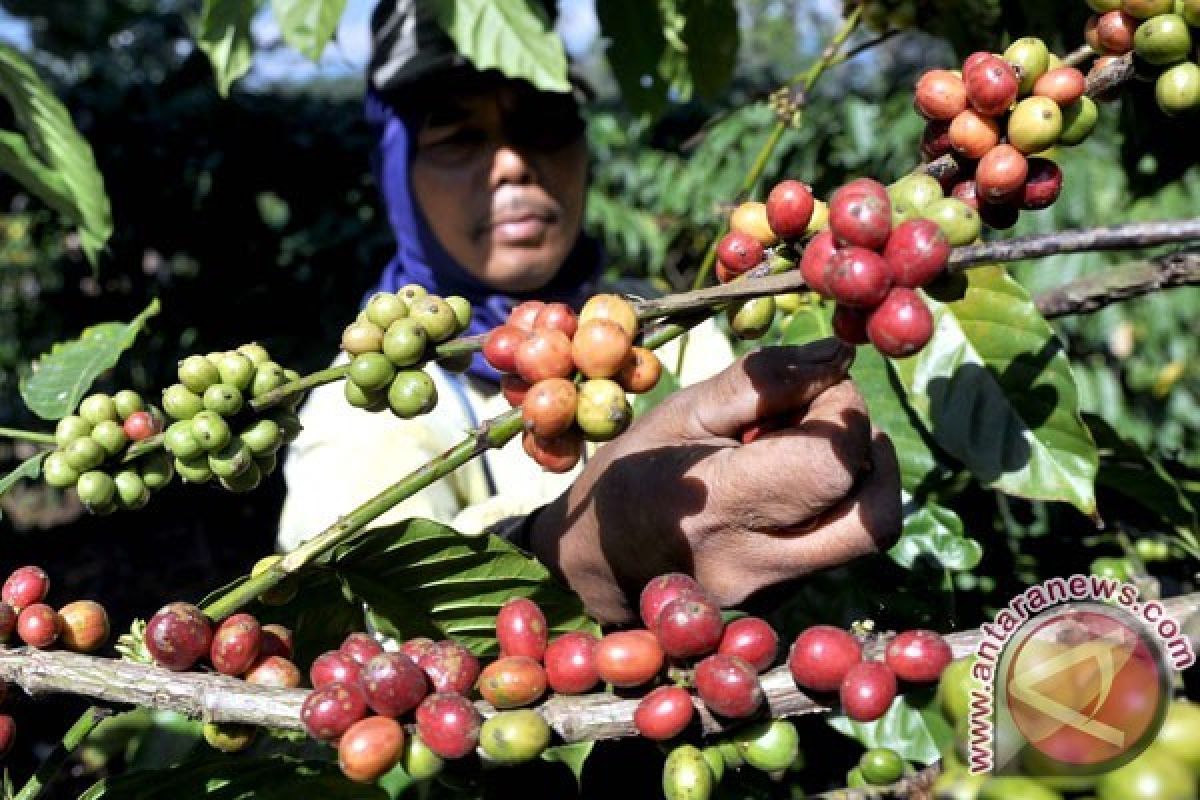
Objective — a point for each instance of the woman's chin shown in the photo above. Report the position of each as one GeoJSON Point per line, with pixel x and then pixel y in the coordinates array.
{"type": "Point", "coordinates": [521, 269]}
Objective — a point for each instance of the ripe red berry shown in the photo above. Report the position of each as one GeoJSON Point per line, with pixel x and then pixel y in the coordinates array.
{"type": "Point", "coordinates": [916, 252]}
{"type": "Point", "coordinates": [370, 748]}
{"type": "Point", "coordinates": [739, 252]}
{"type": "Point", "coordinates": [525, 314]}
{"type": "Point", "coordinates": [140, 425]}
{"type": "Point", "coordinates": [451, 667]}
{"type": "Point", "coordinates": [556, 317]}
{"type": "Point", "coordinates": [545, 354]}
{"type": "Point", "coordinates": [664, 713]}
{"type": "Point", "coordinates": [1042, 185]}
{"type": "Point", "coordinates": [918, 656]}
{"type": "Point", "coordinates": [868, 691]}
{"type": "Point", "coordinates": [549, 407]}
{"type": "Point", "coordinates": [641, 371]}
{"type": "Point", "coordinates": [1000, 175]}
{"type": "Point", "coordinates": [850, 324]}
{"type": "Point", "coordinates": [448, 724]}
{"type": "Point", "coordinates": [8, 734]}
{"type": "Point", "coordinates": [751, 639]}
{"type": "Point", "coordinates": [974, 59]}
{"type": "Point", "coordinates": [901, 325]}
{"type": "Point", "coordinates": [558, 454]}
{"type": "Point", "coordinates": [84, 626]}
{"type": "Point", "coordinates": [417, 647]}
{"type": "Point", "coordinates": [521, 629]}
{"type": "Point", "coordinates": [1000, 216]}
{"type": "Point", "coordinates": [500, 347]}
{"type": "Point", "coordinates": [859, 216]}
{"type": "Point", "coordinates": [1063, 85]}
{"type": "Point", "coordinates": [858, 278]}
{"type": "Point", "coordinates": [867, 186]}
{"type": "Point", "coordinates": [992, 85]}
{"type": "Point", "coordinates": [361, 647]}
{"type": "Point", "coordinates": [515, 389]}
{"type": "Point", "coordinates": [973, 134]}
{"type": "Point", "coordinates": [512, 682]}
{"type": "Point", "coordinates": [333, 667]}
{"type": "Point", "coordinates": [25, 586]}
{"type": "Point", "coordinates": [39, 625]}
{"type": "Point", "coordinates": [178, 636]}
{"type": "Point", "coordinates": [276, 641]}
{"type": "Point", "coordinates": [275, 671]}
{"type": "Point", "coordinates": [628, 658]}
{"type": "Point", "coordinates": [393, 684]}
{"type": "Point", "coordinates": [689, 626]}
{"type": "Point", "coordinates": [662, 590]}
{"type": "Point", "coordinates": [728, 686]}
{"type": "Point", "coordinates": [235, 644]}
{"type": "Point", "coordinates": [815, 262]}
{"type": "Point", "coordinates": [571, 663]}
{"type": "Point", "coordinates": [940, 95]}
{"type": "Point", "coordinates": [821, 656]}
{"type": "Point", "coordinates": [789, 209]}
{"type": "Point", "coordinates": [329, 712]}
{"type": "Point", "coordinates": [8, 621]}
{"type": "Point", "coordinates": [1113, 33]}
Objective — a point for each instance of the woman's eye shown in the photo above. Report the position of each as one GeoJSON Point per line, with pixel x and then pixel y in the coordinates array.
{"type": "Point", "coordinates": [452, 146]}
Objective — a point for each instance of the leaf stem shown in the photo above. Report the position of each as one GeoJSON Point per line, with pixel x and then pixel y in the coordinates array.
{"type": "Point", "coordinates": [20, 434]}
{"type": "Point", "coordinates": [71, 740]}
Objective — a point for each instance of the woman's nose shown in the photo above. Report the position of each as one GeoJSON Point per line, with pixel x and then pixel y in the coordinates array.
{"type": "Point", "coordinates": [509, 166]}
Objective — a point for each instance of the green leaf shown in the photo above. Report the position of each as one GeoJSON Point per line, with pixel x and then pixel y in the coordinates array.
{"type": "Point", "coordinates": [29, 469]}
{"type": "Point", "coordinates": [936, 532]}
{"type": "Point", "coordinates": [573, 755]}
{"type": "Point", "coordinates": [422, 578]}
{"type": "Point", "coordinates": [514, 37]}
{"type": "Point", "coordinates": [711, 35]}
{"type": "Point", "coordinates": [224, 36]}
{"type": "Point", "coordinates": [913, 727]}
{"type": "Point", "coordinates": [995, 389]}
{"type": "Point", "coordinates": [637, 45]}
{"type": "Point", "coordinates": [52, 160]}
{"type": "Point", "coordinates": [308, 25]}
{"type": "Point", "coordinates": [1128, 470]}
{"type": "Point", "coordinates": [274, 778]}
{"type": "Point", "coordinates": [63, 376]}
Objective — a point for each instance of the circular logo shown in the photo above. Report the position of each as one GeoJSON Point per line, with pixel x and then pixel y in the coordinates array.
{"type": "Point", "coordinates": [1086, 687]}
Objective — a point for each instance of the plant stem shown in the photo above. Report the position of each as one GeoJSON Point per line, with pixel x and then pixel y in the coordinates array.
{"type": "Point", "coordinates": [27, 436]}
{"type": "Point", "coordinates": [311, 381]}
{"type": "Point", "coordinates": [74, 737]}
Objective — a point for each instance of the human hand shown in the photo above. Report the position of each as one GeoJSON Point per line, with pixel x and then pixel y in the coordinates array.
{"type": "Point", "coordinates": [680, 492]}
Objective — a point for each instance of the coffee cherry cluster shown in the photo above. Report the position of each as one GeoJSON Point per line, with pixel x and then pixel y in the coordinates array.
{"type": "Point", "coordinates": [995, 117]}
{"type": "Point", "coordinates": [1160, 33]}
{"type": "Point", "coordinates": [214, 435]}
{"type": "Point", "coordinates": [92, 445]}
{"type": "Point", "coordinates": [389, 342]}
{"type": "Point", "coordinates": [569, 374]}
{"type": "Point", "coordinates": [80, 626]}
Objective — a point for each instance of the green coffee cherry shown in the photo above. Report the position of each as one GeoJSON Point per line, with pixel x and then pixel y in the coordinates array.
{"type": "Point", "coordinates": [716, 762]}
{"type": "Point", "coordinates": [236, 370]}
{"type": "Point", "coordinates": [229, 737]}
{"type": "Point", "coordinates": [267, 463]}
{"type": "Point", "coordinates": [855, 779]}
{"type": "Point", "coordinates": [751, 319]}
{"type": "Point", "coordinates": [411, 394]}
{"type": "Point", "coordinates": [462, 311]}
{"type": "Point", "coordinates": [211, 430]}
{"type": "Point", "coordinates": [1163, 40]}
{"type": "Point", "coordinates": [57, 472]}
{"type": "Point", "coordinates": [70, 428]}
{"type": "Point", "coordinates": [96, 488]}
{"type": "Point", "coordinates": [1190, 11]}
{"type": "Point", "coordinates": [194, 470]}
{"type": "Point", "coordinates": [180, 441]}
{"type": "Point", "coordinates": [156, 469]}
{"type": "Point", "coordinates": [912, 193]}
{"type": "Point", "coordinates": [263, 437]}
{"type": "Point", "coordinates": [268, 376]}
{"type": "Point", "coordinates": [686, 775]}
{"type": "Point", "coordinates": [128, 402]}
{"type": "Point", "coordinates": [231, 460]}
{"type": "Point", "coordinates": [405, 342]}
{"type": "Point", "coordinates": [881, 766]}
{"type": "Point", "coordinates": [1178, 89]}
{"type": "Point", "coordinates": [245, 481]}
{"type": "Point", "coordinates": [770, 746]}
{"type": "Point", "coordinates": [372, 372]}
{"type": "Point", "coordinates": [84, 454]}
{"type": "Point", "coordinates": [1035, 124]}
{"type": "Point", "coordinates": [459, 363]}
{"type": "Point", "coordinates": [384, 308]}
{"type": "Point", "coordinates": [198, 373]}
{"type": "Point", "coordinates": [131, 489]}
{"type": "Point", "coordinates": [181, 402]}
{"type": "Point", "coordinates": [111, 436]}
{"type": "Point", "coordinates": [289, 425]}
{"type": "Point", "coordinates": [1151, 550]}
{"type": "Point", "coordinates": [419, 761]}
{"type": "Point", "coordinates": [255, 352]}
{"type": "Point", "coordinates": [367, 401]}
{"type": "Point", "coordinates": [411, 292]}
{"type": "Point", "coordinates": [224, 399]}
{"type": "Point", "coordinates": [602, 411]}
{"type": "Point", "coordinates": [1079, 120]}
{"type": "Point", "coordinates": [362, 337]}
{"type": "Point", "coordinates": [731, 754]}
{"type": "Point", "coordinates": [959, 222]}
{"type": "Point", "coordinates": [1031, 57]}
{"type": "Point", "coordinates": [514, 737]}
{"type": "Point", "coordinates": [98, 408]}
{"type": "Point", "coordinates": [436, 316]}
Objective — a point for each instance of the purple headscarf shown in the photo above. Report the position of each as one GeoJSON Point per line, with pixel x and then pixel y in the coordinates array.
{"type": "Point", "coordinates": [421, 259]}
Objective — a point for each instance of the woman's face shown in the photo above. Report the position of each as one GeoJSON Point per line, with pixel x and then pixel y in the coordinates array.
{"type": "Point", "coordinates": [500, 174]}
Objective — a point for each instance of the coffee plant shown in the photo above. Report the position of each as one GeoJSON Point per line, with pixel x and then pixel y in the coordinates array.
{"type": "Point", "coordinates": [413, 660]}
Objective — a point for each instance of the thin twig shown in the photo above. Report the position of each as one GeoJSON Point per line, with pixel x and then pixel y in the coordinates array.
{"type": "Point", "coordinates": [1094, 292]}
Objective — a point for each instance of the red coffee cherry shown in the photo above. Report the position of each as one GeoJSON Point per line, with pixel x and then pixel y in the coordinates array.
{"type": "Point", "coordinates": [545, 354]}
{"type": "Point", "coordinates": [1000, 175]}
{"type": "Point", "coordinates": [935, 140]}
{"type": "Point", "coordinates": [859, 217]}
{"type": "Point", "coordinates": [992, 85]}
{"type": "Point", "coordinates": [940, 95]}
{"type": "Point", "coordinates": [361, 647]}
{"type": "Point", "coordinates": [1113, 33]}
{"type": "Point", "coordinates": [728, 686]}
{"type": "Point", "coordinates": [901, 325]}
{"type": "Point", "coordinates": [662, 590]}
{"type": "Point", "coordinates": [664, 713]}
{"type": "Point", "coordinates": [815, 262]}
{"type": "Point", "coordinates": [84, 626]}
{"type": "Point", "coordinates": [333, 667]}
{"type": "Point", "coordinates": [393, 684]}
{"type": "Point", "coordinates": [821, 656]}
{"type": "Point", "coordinates": [739, 253]}
{"type": "Point", "coordinates": [558, 454]}
{"type": "Point", "coordinates": [275, 671]}
{"type": "Point", "coordinates": [8, 621]}
{"type": "Point", "coordinates": [858, 278]}
{"type": "Point", "coordinates": [867, 186]}
{"type": "Point", "coordinates": [8, 734]}
{"type": "Point", "coordinates": [370, 748]}
{"type": "Point", "coordinates": [916, 253]}
{"type": "Point", "coordinates": [918, 656]}
{"type": "Point", "coordinates": [571, 663]}
{"type": "Point", "coordinates": [1001, 216]}
{"type": "Point", "coordinates": [235, 644]}
{"type": "Point", "coordinates": [512, 682]}
{"type": "Point", "coordinates": [515, 389]}
{"type": "Point", "coordinates": [140, 425]}
{"type": "Point", "coordinates": [25, 586]}
{"type": "Point", "coordinates": [521, 629]}
{"type": "Point", "coordinates": [751, 639]}
{"type": "Point", "coordinates": [417, 648]}
{"type": "Point", "coordinates": [1043, 184]}
{"type": "Point", "coordinates": [329, 712]}
{"type": "Point", "coordinates": [524, 315]}
{"type": "Point", "coordinates": [850, 324]}
{"type": "Point", "coordinates": [451, 667]}
{"type": "Point", "coordinates": [1063, 85]}
{"type": "Point", "coordinates": [38, 625]}
{"type": "Point", "coordinates": [689, 626]}
{"type": "Point", "coordinates": [178, 636]}
{"type": "Point", "coordinates": [549, 407]}
{"type": "Point", "coordinates": [600, 348]}
{"type": "Point", "coordinates": [974, 59]}
{"type": "Point", "coordinates": [276, 641]}
{"type": "Point", "coordinates": [868, 691]}
{"type": "Point", "coordinates": [641, 371]}
{"type": "Point", "coordinates": [556, 317]}
{"type": "Point", "coordinates": [628, 658]}
{"type": "Point", "coordinates": [448, 724]}
{"type": "Point", "coordinates": [500, 347]}
{"type": "Point", "coordinates": [789, 209]}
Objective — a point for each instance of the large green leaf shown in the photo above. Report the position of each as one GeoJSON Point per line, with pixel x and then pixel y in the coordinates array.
{"type": "Point", "coordinates": [224, 36]}
{"type": "Point", "coordinates": [913, 727]}
{"type": "Point", "coordinates": [1128, 470]}
{"type": "Point", "coordinates": [637, 45]}
{"type": "Point", "coordinates": [935, 532]}
{"type": "Point", "coordinates": [275, 778]}
{"type": "Point", "coordinates": [425, 579]}
{"type": "Point", "coordinates": [62, 376]}
{"type": "Point", "coordinates": [711, 34]}
{"type": "Point", "coordinates": [52, 160]}
{"type": "Point", "coordinates": [28, 469]}
{"type": "Point", "coordinates": [308, 25]}
{"type": "Point", "coordinates": [995, 389]}
{"type": "Point", "coordinates": [514, 37]}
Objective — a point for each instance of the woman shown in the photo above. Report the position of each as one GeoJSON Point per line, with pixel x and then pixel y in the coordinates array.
{"type": "Point", "coordinates": [484, 180]}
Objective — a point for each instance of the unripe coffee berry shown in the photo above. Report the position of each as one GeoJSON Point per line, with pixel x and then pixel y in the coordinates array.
{"type": "Point", "coordinates": [84, 454]}
{"type": "Point", "coordinates": [412, 394]}
{"type": "Point", "coordinates": [821, 656]}
{"type": "Point", "coordinates": [512, 682]}
{"type": "Point", "coordinates": [371, 371]}
{"type": "Point", "coordinates": [728, 686]}
{"type": "Point", "coordinates": [38, 625]}
{"type": "Point", "coordinates": [362, 337]}
{"type": "Point", "coordinates": [751, 218]}
{"type": "Point", "coordinates": [867, 691]}
{"type": "Point", "coordinates": [436, 316]}
{"type": "Point", "coordinates": [514, 737]}
{"type": "Point", "coordinates": [178, 636]}
{"type": "Point", "coordinates": [628, 658]}
{"type": "Point", "coordinates": [689, 626]}
{"type": "Point", "coordinates": [664, 713]}
{"type": "Point", "coordinates": [1034, 124]}
{"type": "Point", "coordinates": [973, 134]}
{"type": "Point", "coordinates": [600, 348]}
{"type": "Point", "coordinates": [224, 399]}
{"type": "Point", "coordinates": [571, 663]}
{"type": "Point", "coordinates": [70, 428]}
{"type": "Point", "coordinates": [790, 209]}
{"type": "Point", "coordinates": [127, 403]}
{"type": "Point", "coordinates": [448, 724]}
{"type": "Point", "coordinates": [98, 408]}
{"type": "Point", "coordinates": [329, 712]}
{"type": "Point", "coordinates": [602, 412]}
{"type": "Point", "coordinates": [612, 307]}
{"type": "Point", "coordinates": [901, 325]}
{"type": "Point", "coordinates": [370, 748]}
{"type": "Point", "coordinates": [918, 656]}
{"type": "Point", "coordinates": [393, 684]}
{"type": "Point", "coordinates": [751, 639]}
{"type": "Point", "coordinates": [521, 629]}
{"type": "Point", "coordinates": [84, 626]}
{"type": "Point", "coordinates": [771, 745]}
{"type": "Point", "coordinates": [110, 436]}
{"type": "Point", "coordinates": [1063, 85]}
{"type": "Point", "coordinates": [229, 737]}
{"type": "Point", "coordinates": [25, 586]}
{"type": "Point", "coordinates": [641, 371]}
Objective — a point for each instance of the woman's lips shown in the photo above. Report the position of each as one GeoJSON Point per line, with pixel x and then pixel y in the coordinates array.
{"type": "Point", "coordinates": [524, 229]}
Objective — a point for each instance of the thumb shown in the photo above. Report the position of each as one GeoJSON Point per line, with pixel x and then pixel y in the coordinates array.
{"type": "Point", "coordinates": [765, 384]}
